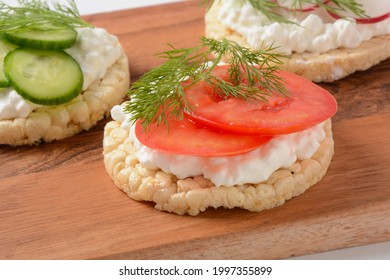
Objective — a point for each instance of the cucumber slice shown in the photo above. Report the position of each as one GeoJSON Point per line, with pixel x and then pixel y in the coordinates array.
{"type": "Point", "coordinates": [3, 80]}
{"type": "Point", "coordinates": [43, 77]}
{"type": "Point", "coordinates": [5, 47]}
{"type": "Point", "coordinates": [52, 39]}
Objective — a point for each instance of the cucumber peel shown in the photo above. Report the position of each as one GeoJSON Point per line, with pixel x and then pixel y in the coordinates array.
{"type": "Point", "coordinates": [5, 47]}
{"type": "Point", "coordinates": [51, 39]}
{"type": "Point", "coordinates": [42, 76]}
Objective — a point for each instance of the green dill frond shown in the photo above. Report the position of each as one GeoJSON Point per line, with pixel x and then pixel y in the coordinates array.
{"type": "Point", "coordinates": [39, 15]}
{"type": "Point", "coordinates": [343, 6]}
{"type": "Point", "coordinates": [268, 7]}
{"type": "Point", "coordinates": [251, 77]}
{"type": "Point", "coordinates": [255, 67]}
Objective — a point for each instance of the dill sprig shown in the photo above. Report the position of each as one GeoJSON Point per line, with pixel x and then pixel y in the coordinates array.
{"type": "Point", "coordinates": [39, 15]}
{"type": "Point", "coordinates": [268, 7]}
{"type": "Point", "coordinates": [251, 77]}
{"type": "Point", "coordinates": [342, 6]}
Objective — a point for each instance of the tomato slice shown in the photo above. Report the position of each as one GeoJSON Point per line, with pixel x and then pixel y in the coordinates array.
{"type": "Point", "coordinates": [185, 137]}
{"type": "Point", "coordinates": [307, 106]}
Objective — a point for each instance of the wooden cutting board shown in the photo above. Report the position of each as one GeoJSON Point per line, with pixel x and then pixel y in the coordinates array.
{"type": "Point", "coordinates": [57, 202]}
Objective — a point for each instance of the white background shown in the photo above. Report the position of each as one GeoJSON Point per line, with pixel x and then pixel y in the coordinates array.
{"type": "Point", "coordinates": [373, 252]}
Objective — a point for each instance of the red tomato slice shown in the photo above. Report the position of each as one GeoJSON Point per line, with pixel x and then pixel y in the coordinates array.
{"type": "Point", "coordinates": [184, 137]}
{"type": "Point", "coordinates": [307, 106]}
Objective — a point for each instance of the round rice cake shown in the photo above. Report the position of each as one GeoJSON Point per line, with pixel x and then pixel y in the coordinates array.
{"type": "Point", "coordinates": [326, 67]}
{"type": "Point", "coordinates": [49, 123]}
{"type": "Point", "coordinates": [195, 194]}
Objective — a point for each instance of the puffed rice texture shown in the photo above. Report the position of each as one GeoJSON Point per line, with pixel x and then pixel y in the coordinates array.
{"type": "Point", "coordinates": [326, 67]}
{"type": "Point", "coordinates": [49, 123]}
{"type": "Point", "coordinates": [196, 194]}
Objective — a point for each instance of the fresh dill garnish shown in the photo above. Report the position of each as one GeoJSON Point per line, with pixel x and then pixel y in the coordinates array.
{"type": "Point", "coordinates": [342, 6]}
{"type": "Point", "coordinates": [267, 7]}
{"type": "Point", "coordinates": [39, 15]}
{"type": "Point", "coordinates": [251, 77]}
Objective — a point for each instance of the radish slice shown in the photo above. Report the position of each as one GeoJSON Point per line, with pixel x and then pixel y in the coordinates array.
{"type": "Point", "coordinates": [364, 20]}
{"type": "Point", "coordinates": [376, 11]}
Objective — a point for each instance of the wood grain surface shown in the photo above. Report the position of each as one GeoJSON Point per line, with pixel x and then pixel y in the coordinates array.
{"type": "Point", "coordinates": [57, 202]}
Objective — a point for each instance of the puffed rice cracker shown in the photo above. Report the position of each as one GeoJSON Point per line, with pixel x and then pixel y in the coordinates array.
{"type": "Point", "coordinates": [326, 67]}
{"type": "Point", "coordinates": [195, 194]}
{"type": "Point", "coordinates": [50, 123]}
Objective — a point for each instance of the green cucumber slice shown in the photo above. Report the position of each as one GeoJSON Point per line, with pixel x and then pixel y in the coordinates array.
{"type": "Point", "coordinates": [52, 39]}
{"type": "Point", "coordinates": [5, 47]}
{"type": "Point", "coordinates": [43, 77]}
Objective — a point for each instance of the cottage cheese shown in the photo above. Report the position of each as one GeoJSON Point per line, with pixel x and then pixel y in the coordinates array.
{"type": "Point", "coordinates": [315, 31]}
{"type": "Point", "coordinates": [249, 168]}
{"type": "Point", "coordinates": [95, 51]}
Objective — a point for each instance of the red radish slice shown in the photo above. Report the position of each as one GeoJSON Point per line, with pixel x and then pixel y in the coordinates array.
{"type": "Point", "coordinates": [367, 20]}
{"type": "Point", "coordinates": [376, 11]}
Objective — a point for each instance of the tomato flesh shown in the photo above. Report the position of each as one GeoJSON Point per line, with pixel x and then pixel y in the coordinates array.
{"type": "Point", "coordinates": [185, 137]}
{"type": "Point", "coordinates": [307, 105]}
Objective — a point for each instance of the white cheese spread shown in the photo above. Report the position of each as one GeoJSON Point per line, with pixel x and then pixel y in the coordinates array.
{"type": "Point", "coordinates": [316, 31]}
{"type": "Point", "coordinates": [12, 105]}
{"type": "Point", "coordinates": [249, 168]}
{"type": "Point", "coordinates": [95, 51]}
